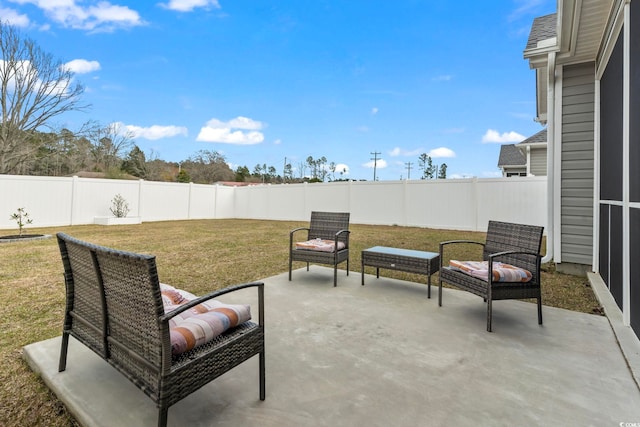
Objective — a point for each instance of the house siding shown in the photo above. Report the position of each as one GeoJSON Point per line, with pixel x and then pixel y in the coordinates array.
{"type": "Point", "coordinates": [578, 100]}
{"type": "Point", "coordinates": [538, 162]}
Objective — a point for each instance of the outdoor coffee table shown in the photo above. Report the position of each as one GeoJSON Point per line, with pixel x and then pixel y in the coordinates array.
{"type": "Point", "coordinates": [406, 260]}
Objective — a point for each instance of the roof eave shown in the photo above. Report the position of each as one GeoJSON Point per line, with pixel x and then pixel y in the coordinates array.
{"type": "Point", "coordinates": [538, 56]}
{"type": "Point", "coordinates": [532, 144]}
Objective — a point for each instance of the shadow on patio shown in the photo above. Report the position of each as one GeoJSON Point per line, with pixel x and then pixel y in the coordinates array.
{"type": "Point", "coordinates": [381, 355]}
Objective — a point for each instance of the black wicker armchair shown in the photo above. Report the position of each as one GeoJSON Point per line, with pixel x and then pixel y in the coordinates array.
{"type": "Point", "coordinates": [514, 244]}
{"type": "Point", "coordinates": [332, 226]}
{"type": "Point", "coordinates": [128, 327]}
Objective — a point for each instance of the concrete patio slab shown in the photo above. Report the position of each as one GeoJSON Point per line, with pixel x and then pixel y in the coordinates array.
{"type": "Point", "coordinates": [382, 354]}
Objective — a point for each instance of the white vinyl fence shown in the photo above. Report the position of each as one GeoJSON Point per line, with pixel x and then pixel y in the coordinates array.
{"type": "Point", "coordinates": [460, 204]}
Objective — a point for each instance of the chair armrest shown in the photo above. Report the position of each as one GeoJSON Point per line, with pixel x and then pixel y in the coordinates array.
{"type": "Point", "coordinates": [292, 232]}
{"type": "Point", "coordinates": [347, 239]}
{"type": "Point", "coordinates": [448, 242]}
{"type": "Point", "coordinates": [451, 242]}
{"type": "Point", "coordinates": [167, 316]}
{"type": "Point", "coordinates": [499, 254]}
{"type": "Point", "coordinates": [298, 229]}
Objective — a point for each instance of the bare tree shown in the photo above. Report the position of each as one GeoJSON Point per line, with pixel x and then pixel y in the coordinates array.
{"type": "Point", "coordinates": [109, 144]}
{"type": "Point", "coordinates": [35, 88]}
{"type": "Point", "coordinates": [302, 168]}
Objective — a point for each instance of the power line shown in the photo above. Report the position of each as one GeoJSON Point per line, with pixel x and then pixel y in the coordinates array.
{"type": "Point", "coordinates": [375, 163]}
{"type": "Point", "coordinates": [408, 165]}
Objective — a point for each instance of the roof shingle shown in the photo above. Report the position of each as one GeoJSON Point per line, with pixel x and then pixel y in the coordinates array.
{"type": "Point", "coordinates": [510, 155]}
{"type": "Point", "coordinates": [543, 28]}
{"type": "Point", "coordinates": [538, 137]}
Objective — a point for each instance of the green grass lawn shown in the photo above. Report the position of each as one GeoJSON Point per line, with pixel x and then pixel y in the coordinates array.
{"type": "Point", "coordinates": [198, 256]}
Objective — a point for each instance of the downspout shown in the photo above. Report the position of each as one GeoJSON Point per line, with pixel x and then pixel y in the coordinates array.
{"type": "Point", "coordinates": [551, 89]}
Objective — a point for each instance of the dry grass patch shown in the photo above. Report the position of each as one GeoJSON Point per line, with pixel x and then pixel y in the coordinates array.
{"type": "Point", "coordinates": [198, 256]}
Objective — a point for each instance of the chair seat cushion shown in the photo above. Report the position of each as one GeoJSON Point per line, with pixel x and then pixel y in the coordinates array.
{"type": "Point", "coordinates": [501, 272]}
{"type": "Point", "coordinates": [201, 323]}
{"type": "Point", "coordinates": [319, 245]}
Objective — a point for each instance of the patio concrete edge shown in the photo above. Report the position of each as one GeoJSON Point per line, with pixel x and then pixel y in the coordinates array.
{"type": "Point", "coordinates": [627, 340]}
{"type": "Point", "coordinates": [30, 354]}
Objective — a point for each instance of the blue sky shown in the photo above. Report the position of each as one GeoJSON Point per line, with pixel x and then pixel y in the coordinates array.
{"type": "Point", "coordinates": [261, 81]}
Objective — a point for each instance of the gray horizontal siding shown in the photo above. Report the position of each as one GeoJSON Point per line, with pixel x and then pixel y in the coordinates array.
{"type": "Point", "coordinates": [576, 211]}
{"type": "Point", "coordinates": [538, 160]}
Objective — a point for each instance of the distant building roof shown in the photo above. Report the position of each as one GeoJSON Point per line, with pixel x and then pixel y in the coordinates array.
{"type": "Point", "coordinates": [537, 138]}
{"type": "Point", "coordinates": [237, 184]}
{"type": "Point", "coordinates": [101, 175]}
{"type": "Point", "coordinates": [543, 28]}
{"type": "Point", "coordinates": [510, 155]}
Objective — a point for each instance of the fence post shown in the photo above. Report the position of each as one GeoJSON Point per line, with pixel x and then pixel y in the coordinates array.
{"type": "Point", "coordinates": [189, 201]}
{"type": "Point", "coordinates": [475, 203]}
{"type": "Point", "coordinates": [405, 201]}
{"type": "Point", "coordinates": [215, 200]}
{"type": "Point", "coordinates": [140, 198]}
{"type": "Point", "coordinates": [306, 191]}
{"type": "Point", "coordinates": [74, 189]}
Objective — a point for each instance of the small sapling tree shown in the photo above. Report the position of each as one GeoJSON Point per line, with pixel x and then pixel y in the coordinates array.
{"type": "Point", "coordinates": [21, 217]}
{"type": "Point", "coordinates": [119, 206]}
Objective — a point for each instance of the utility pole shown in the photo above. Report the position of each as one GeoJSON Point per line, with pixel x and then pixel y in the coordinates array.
{"type": "Point", "coordinates": [408, 165]}
{"type": "Point", "coordinates": [375, 163]}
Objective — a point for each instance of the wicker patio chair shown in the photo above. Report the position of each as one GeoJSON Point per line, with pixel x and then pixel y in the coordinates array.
{"type": "Point", "coordinates": [326, 226]}
{"type": "Point", "coordinates": [138, 338]}
{"type": "Point", "coordinates": [515, 244]}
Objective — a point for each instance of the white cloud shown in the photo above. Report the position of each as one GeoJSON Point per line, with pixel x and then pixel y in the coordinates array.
{"type": "Point", "coordinates": [223, 132]}
{"type": "Point", "coordinates": [441, 152]}
{"type": "Point", "coordinates": [397, 151]}
{"type": "Point", "coordinates": [154, 132]}
{"type": "Point", "coordinates": [277, 142]}
{"type": "Point", "coordinates": [243, 123]}
{"type": "Point", "coordinates": [190, 5]}
{"type": "Point", "coordinates": [494, 174]}
{"type": "Point", "coordinates": [362, 128]}
{"type": "Point", "coordinates": [380, 164]}
{"type": "Point", "coordinates": [492, 136]}
{"type": "Point", "coordinates": [14, 18]}
{"type": "Point", "coordinates": [82, 66]}
{"type": "Point", "coordinates": [98, 16]}
{"type": "Point", "coordinates": [374, 111]}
